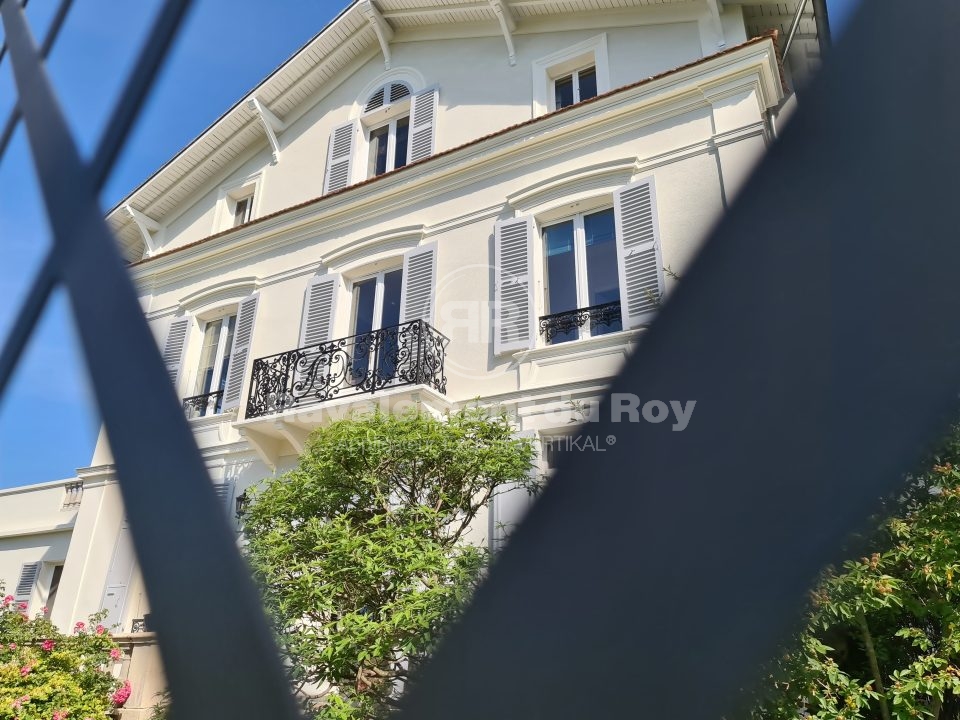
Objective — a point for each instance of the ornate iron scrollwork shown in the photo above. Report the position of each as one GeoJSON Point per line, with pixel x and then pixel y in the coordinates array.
{"type": "Point", "coordinates": [407, 354]}
{"type": "Point", "coordinates": [599, 316]}
{"type": "Point", "coordinates": [201, 405]}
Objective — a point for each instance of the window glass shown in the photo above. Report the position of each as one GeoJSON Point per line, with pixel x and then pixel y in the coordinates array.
{"type": "Point", "coordinates": [378, 151]}
{"type": "Point", "coordinates": [364, 294]}
{"type": "Point", "coordinates": [561, 273]}
{"type": "Point", "coordinates": [208, 356]}
{"type": "Point", "coordinates": [400, 148]}
{"type": "Point", "coordinates": [603, 283]}
{"type": "Point", "coordinates": [588, 83]}
{"type": "Point", "coordinates": [54, 588]}
{"type": "Point", "coordinates": [391, 298]}
{"type": "Point", "coordinates": [390, 318]}
{"type": "Point", "coordinates": [563, 92]}
{"type": "Point", "coordinates": [241, 211]}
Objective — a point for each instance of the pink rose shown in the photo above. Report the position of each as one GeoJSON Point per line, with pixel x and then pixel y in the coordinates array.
{"type": "Point", "coordinates": [7, 600]}
{"type": "Point", "coordinates": [59, 715]}
{"type": "Point", "coordinates": [101, 629]}
{"type": "Point", "coordinates": [121, 695]}
{"type": "Point", "coordinates": [22, 606]}
{"type": "Point", "coordinates": [114, 653]}
{"type": "Point", "coordinates": [47, 645]}
{"type": "Point", "coordinates": [79, 627]}
{"type": "Point", "coordinates": [24, 671]}
{"type": "Point", "coordinates": [13, 646]}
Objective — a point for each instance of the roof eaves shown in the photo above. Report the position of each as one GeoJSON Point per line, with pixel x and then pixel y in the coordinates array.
{"type": "Point", "coordinates": [772, 36]}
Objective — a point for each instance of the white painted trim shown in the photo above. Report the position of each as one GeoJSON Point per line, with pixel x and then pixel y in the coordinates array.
{"type": "Point", "coordinates": [753, 68]}
{"type": "Point", "coordinates": [507, 25]}
{"type": "Point", "coordinates": [271, 124]}
{"type": "Point", "coordinates": [564, 188]}
{"type": "Point", "coordinates": [406, 74]}
{"type": "Point", "coordinates": [543, 67]}
{"type": "Point", "coordinates": [225, 292]}
{"type": "Point", "coordinates": [233, 191]}
{"type": "Point", "coordinates": [380, 27]}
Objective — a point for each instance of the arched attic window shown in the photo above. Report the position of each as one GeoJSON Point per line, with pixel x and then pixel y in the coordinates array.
{"type": "Point", "coordinates": [389, 93]}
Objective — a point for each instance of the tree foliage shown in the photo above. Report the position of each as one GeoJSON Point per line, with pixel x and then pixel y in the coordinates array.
{"type": "Point", "coordinates": [46, 675]}
{"type": "Point", "coordinates": [883, 634]}
{"type": "Point", "coordinates": [363, 550]}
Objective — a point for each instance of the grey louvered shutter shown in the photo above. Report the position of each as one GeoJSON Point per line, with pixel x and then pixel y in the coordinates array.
{"type": "Point", "coordinates": [175, 346]}
{"type": "Point", "coordinates": [419, 284]}
{"type": "Point", "coordinates": [638, 252]}
{"type": "Point", "coordinates": [319, 305]}
{"type": "Point", "coordinates": [513, 311]}
{"type": "Point", "coordinates": [339, 157]}
{"type": "Point", "coordinates": [224, 493]}
{"type": "Point", "coordinates": [28, 578]}
{"type": "Point", "coordinates": [118, 578]}
{"type": "Point", "coordinates": [237, 368]}
{"type": "Point", "coordinates": [512, 502]}
{"type": "Point", "coordinates": [423, 122]}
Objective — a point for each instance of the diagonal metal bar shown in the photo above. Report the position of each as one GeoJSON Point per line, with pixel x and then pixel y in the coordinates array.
{"type": "Point", "coordinates": [137, 87]}
{"type": "Point", "coordinates": [51, 37]}
{"type": "Point", "coordinates": [218, 652]}
{"type": "Point", "coordinates": [27, 318]}
{"type": "Point", "coordinates": [820, 342]}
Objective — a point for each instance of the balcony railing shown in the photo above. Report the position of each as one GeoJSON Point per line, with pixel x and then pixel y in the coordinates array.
{"type": "Point", "coordinates": [407, 354]}
{"type": "Point", "coordinates": [603, 319]}
{"type": "Point", "coordinates": [202, 405]}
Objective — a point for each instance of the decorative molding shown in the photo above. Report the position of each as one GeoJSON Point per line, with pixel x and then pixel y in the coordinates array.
{"type": "Point", "coordinates": [147, 226]}
{"type": "Point", "coordinates": [753, 67]}
{"type": "Point", "coordinates": [233, 290]}
{"type": "Point", "coordinates": [399, 239]}
{"type": "Point", "coordinates": [272, 125]}
{"type": "Point", "coordinates": [381, 27]}
{"type": "Point", "coordinates": [507, 25]}
{"type": "Point", "coordinates": [590, 180]}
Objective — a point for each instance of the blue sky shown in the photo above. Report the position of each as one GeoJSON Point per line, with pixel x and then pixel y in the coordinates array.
{"type": "Point", "coordinates": [48, 420]}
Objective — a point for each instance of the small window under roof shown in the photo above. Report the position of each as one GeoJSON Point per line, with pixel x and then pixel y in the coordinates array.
{"type": "Point", "coordinates": [394, 91]}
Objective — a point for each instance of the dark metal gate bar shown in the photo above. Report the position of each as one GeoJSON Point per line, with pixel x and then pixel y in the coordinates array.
{"type": "Point", "coordinates": [819, 340]}
{"type": "Point", "coordinates": [218, 652]}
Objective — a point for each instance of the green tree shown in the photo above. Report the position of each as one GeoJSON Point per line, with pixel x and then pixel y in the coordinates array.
{"type": "Point", "coordinates": [363, 549]}
{"type": "Point", "coordinates": [45, 674]}
{"type": "Point", "coordinates": [883, 633]}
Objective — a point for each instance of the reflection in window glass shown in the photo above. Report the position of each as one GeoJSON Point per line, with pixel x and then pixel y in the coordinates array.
{"type": "Point", "coordinates": [561, 273]}
{"type": "Point", "coordinates": [400, 151]}
{"type": "Point", "coordinates": [208, 356]}
{"type": "Point", "coordinates": [378, 151]}
{"type": "Point", "coordinates": [587, 82]}
{"type": "Point", "coordinates": [563, 92]}
{"type": "Point", "coordinates": [603, 283]}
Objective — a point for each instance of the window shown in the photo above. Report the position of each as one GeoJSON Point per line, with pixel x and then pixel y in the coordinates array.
{"type": "Point", "coordinates": [242, 210]}
{"type": "Point", "coordinates": [575, 87]}
{"type": "Point", "coordinates": [376, 315]}
{"type": "Point", "coordinates": [388, 146]}
{"type": "Point", "coordinates": [571, 75]}
{"type": "Point", "coordinates": [54, 588]}
{"type": "Point", "coordinates": [582, 288]}
{"type": "Point", "coordinates": [207, 396]}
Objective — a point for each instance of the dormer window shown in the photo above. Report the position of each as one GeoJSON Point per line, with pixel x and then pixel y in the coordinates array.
{"type": "Point", "coordinates": [242, 210]}
{"type": "Point", "coordinates": [387, 115]}
{"type": "Point", "coordinates": [388, 146]}
{"type": "Point", "coordinates": [573, 88]}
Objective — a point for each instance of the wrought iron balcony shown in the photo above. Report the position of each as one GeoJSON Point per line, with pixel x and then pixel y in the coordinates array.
{"type": "Point", "coordinates": [603, 319]}
{"type": "Point", "coordinates": [407, 354]}
{"type": "Point", "coordinates": [202, 405]}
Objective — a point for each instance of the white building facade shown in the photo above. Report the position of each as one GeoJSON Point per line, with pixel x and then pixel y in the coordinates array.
{"type": "Point", "coordinates": [428, 205]}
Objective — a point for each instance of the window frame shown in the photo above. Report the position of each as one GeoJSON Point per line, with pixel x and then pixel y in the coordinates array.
{"type": "Point", "coordinates": [391, 126]}
{"type": "Point", "coordinates": [574, 76]}
{"type": "Point", "coordinates": [580, 262]}
{"type": "Point", "coordinates": [220, 372]}
{"type": "Point", "coordinates": [379, 276]}
{"type": "Point", "coordinates": [249, 188]}
{"type": "Point", "coordinates": [548, 69]}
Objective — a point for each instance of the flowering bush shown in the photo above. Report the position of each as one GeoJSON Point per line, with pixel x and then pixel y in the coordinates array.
{"type": "Point", "coordinates": [46, 675]}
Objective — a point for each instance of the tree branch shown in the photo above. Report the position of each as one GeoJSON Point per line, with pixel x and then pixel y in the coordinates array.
{"type": "Point", "coordinates": [874, 665]}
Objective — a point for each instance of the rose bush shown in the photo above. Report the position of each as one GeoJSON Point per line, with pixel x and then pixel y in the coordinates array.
{"type": "Point", "coordinates": [46, 675]}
